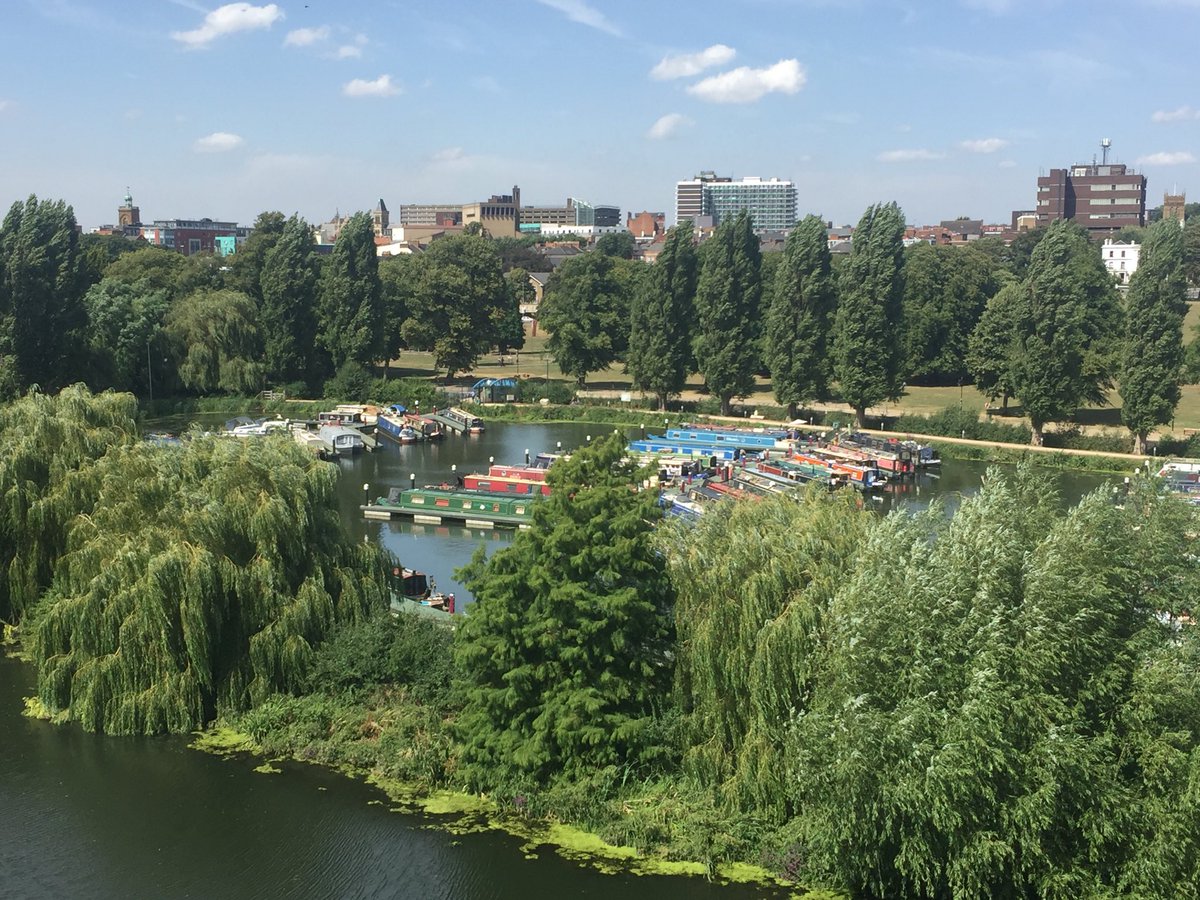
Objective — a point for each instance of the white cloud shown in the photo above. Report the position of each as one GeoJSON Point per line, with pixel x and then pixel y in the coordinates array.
{"type": "Point", "coordinates": [914, 155]}
{"type": "Point", "coordinates": [984, 145]}
{"type": "Point", "coordinates": [1182, 114]}
{"type": "Point", "coordinates": [306, 37]}
{"type": "Point", "coordinates": [229, 19]}
{"type": "Point", "coordinates": [684, 65]}
{"type": "Point", "coordinates": [448, 154]}
{"type": "Point", "coordinates": [1166, 158]}
{"type": "Point", "coordinates": [1008, 164]}
{"type": "Point", "coordinates": [348, 51]}
{"type": "Point", "coordinates": [667, 126]}
{"type": "Point", "coordinates": [217, 142]}
{"type": "Point", "coordinates": [5, 104]}
{"type": "Point", "coordinates": [579, 11]}
{"type": "Point", "coordinates": [746, 85]}
{"type": "Point", "coordinates": [380, 87]}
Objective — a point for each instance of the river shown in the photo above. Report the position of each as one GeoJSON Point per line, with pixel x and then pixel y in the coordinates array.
{"type": "Point", "coordinates": [83, 815]}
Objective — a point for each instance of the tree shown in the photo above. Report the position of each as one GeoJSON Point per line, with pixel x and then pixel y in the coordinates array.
{"type": "Point", "coordinates": [459, 298]}
{"type": "Point", "coordinates": [1191, 250]}
{"type": "Point", "coordinates": [508, 325]}
{"type": "Point", "coordinates": [245, 267]}
{"type": "Point", "coordinates": [215, 338]}
{"type": "Point", "coordinates": [727, 306]}
{"type": "Point", "coordinates": [619, 244]}
{"type": "Point", "coordinates": [1153, 353]}
{"type": "Point", "coordinates": [868, 344]}
{"type": "Point", "coordinates": [41, 294]}
{"type": "Point", "coordinates": [123, 321]}
{"type": "Point", "coordinates": [1020, 250]}
{"type": "Point", "coordinates": [350, 313]}
{"type": "Point", "coordinates": [1067, 322]}
{"type": "Point", "coordinates": [154, 269]}
{"type": "Point", "coordinates": [799, 316]}
{"type": "Point", "coordinates": [565, 653]}
{"type": "Point", "coordinates": [586, 311]}
{"type": "Point", "coordinates": [101, 250]}
{"type": "Point", "coordinates": [520, 253]}
{"type": "Point", "coordinates": [945, 292]}
{"type": "Point", "coordinates": [997, 712]}
{"type": "Point", "coordinates": [993, 344]}
{"type": "Point", "coordinates": [287, 313]}
{"type": "Point", "coordinates": [660, 352]}
{"type": "Point", "coordinates": [198, 582]}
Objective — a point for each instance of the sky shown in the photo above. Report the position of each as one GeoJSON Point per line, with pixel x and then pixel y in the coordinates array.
{"type": "Point", "coordinates": [950, 108]}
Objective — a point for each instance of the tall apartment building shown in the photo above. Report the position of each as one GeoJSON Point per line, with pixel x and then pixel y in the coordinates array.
{"type": "Point", "coordinates": [1102, 197]}
{"type": "Point", "coordinates": [771, 202]}
{"type": "Point", "coordinates": [431, 214]}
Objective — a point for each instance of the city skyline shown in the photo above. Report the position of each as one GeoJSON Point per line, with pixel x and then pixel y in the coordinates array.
{"type": "Point", "coordinates": [226, 111]}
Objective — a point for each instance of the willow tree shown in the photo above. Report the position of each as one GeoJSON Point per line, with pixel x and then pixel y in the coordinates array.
{"type": "Point", "coordinates": [565, 653]}
{"type": "Point", "coordinates": [215, 337]}
{"type": "Point", "coordinates": [1007, 705]}
{"type": "Point", "coordinates": [753, 589]}
{"type": "Point", "coordinates": [49, 446]}
{"type": "Point", "coordinates": [199, 580]}
{"type": "Point", "coordinates": [1152, 363]}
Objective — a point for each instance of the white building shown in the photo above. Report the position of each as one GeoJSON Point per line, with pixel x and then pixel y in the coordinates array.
{"type": "Point", "coordinates": [771, 202]}
{"type": "Point", "coordinates": [1121, 258]}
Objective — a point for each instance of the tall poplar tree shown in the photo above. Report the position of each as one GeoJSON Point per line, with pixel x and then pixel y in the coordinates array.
{"type": "Point", "coordinates": [1066, 325]}
{"type": "Point", "coordinates": [350, 314]}
{"type": "Point", "coordinates": [660, 351]}
{"type": "Point", "coordinates": [799, 316]}
{"type": "Point", "coordinates": [992, 344]}
{"type": "Point", "coordinates": [727, 303]}
{"type": "Point", "coordinates": [287, 316]}
{"type": "Point", "coordinates": [867, 347]}
{"type": "Point", "coordinates": [41, 294]}
{"type": "Point", "coordinates": [1153, 351]}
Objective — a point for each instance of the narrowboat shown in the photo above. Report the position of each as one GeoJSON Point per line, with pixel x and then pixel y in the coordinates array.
{"type": "Point", "coordinates": [461, 420]}
{"type": "Point", "coordinates": [344, 440]}
{"type": "Point", "coordinates": [391, 421]}
{"type": "Point", "coordinates": [498, 484]}
{"type": "Point", "coordinates": [732, 437]}
{"type": "Point", "coordinates": [434, 505]}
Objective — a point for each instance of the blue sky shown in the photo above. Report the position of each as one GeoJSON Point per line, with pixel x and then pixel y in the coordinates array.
{"type": "Point", "coordinates": [950, 108]}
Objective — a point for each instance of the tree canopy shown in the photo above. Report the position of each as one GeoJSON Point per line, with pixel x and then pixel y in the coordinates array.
{"type": "Point", "coordinates": [799, 315]}
{"type": "Point", "coordinates": [586, 310]}
{"type": "Point", "coordinates": [288, 283]}
{"type": "Point", "coordinates": [564, 654]}
{"type": "Point", "coordinates": [868, 348]}
{"type": "Point", "coordinates": [350, 313]}
{"type": "Point", "coordinates": [728, 296]}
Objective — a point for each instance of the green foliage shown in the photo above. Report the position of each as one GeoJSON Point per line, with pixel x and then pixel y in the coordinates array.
{"type": "Point", "coordinates": [49, 447]}
{"type": "Point", "coordinates": [200, 578]}
{"type": "Point", "coordinates": [1153, 352]}
{"type": "Point", "coordinates": [1020, 251]}
{"type": "Point", "coordinates": [153, 269]}
{"type": "Point", "coordinates": [945, 292]}
{"type": "Point", "coordinates": [41, 295]}
{"type": "Point", "coordinates": [1068, 326]}
{"type": "Point", "coordinates": [398, 279]}
{"type": "Point", "coordinates": [993, 344]}
{"type": "Point", "coordinates": [799, 317]}
{"type": "Point", "coordinates": [868, 343]}
{"type": "Point", "coordinates": [99, 251]}
{"type": "Point", "coordinates": [215, 337]}
{"type": "Point", "coordinates": [619, 244]}
{"type": "Point", "coordinates": [287, 314]}
{"type": "Point", "coordinates": [727, 304]}
{"type": "Point", "coordinates": [352, 382]}
{"type": "Point", "coordinates": [754, 586]}
{"type": "Point", "coordinates": [459, 301]}
{"type": "Point", "coordinates": [350, 311]}
{"type": "Point", "coordinates": [1001, 711]}
{"type": "Point", "coordinates": [586, 311]}
{"type": "Point", "coordinates": [1191, 249]}
{"type": "Point", "coordinates": [385, 651]}
{"type": "Point", "coordinates": [564, 654]}
{"type": "Point", "coordinates": [955, 421]}
{"type": "Point", "coordinates": [123, 320]}
{"type": "Point", "coordinates": [660, 355]}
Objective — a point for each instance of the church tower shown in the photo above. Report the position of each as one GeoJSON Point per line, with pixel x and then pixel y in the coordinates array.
{"type": "Point", "coordinates": [128, 215]}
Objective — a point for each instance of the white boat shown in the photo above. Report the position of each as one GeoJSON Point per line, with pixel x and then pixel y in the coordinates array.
{"type": "Point", "coordinates": [344, 441]}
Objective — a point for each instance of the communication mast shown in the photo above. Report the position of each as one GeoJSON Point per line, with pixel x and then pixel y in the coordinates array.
{"type": "Point", "coordinates": [1105, 143]}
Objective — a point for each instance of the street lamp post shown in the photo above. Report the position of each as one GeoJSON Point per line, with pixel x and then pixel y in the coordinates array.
{"type": "Point", "coordinates": [366, 494]}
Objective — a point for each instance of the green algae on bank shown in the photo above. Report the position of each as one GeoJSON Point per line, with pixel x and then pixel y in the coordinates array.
{"type": "Point", "coordinates": [221, 740]}
{"type": "Point", "coordinates": [268, 769]}
{"type": "Point", "coordinates": [36, 709]}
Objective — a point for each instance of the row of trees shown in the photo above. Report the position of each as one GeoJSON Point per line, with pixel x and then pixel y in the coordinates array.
{"type": "Point", "coordinates": [275, 313]}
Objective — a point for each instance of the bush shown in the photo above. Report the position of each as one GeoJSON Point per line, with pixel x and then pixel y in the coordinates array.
{"type": "Point", "coordinates": [1071, 438]}
{"type": "Point", "coordinates": [556, 392]}
{"type": "Point", "coordinates": [413, 393]}
{"type": "Point", "coordinates": [352, 383]}
{"type": "Point", "coordinates": [955, 421]}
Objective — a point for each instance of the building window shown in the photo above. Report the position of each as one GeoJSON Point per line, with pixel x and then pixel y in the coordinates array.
{"type": "Point", "coordinates": [193, 245]}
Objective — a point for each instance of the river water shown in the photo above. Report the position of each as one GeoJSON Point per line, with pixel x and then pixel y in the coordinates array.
{"type": "Point", "coordinates": [84, 815]}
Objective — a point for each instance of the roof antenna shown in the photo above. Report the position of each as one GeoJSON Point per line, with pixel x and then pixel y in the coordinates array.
{"type": "Point", "coordinates": [1104, 145]}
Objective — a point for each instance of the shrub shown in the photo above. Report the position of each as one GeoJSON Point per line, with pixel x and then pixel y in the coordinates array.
{"type": "Point", "coordinates": [352, 382]}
